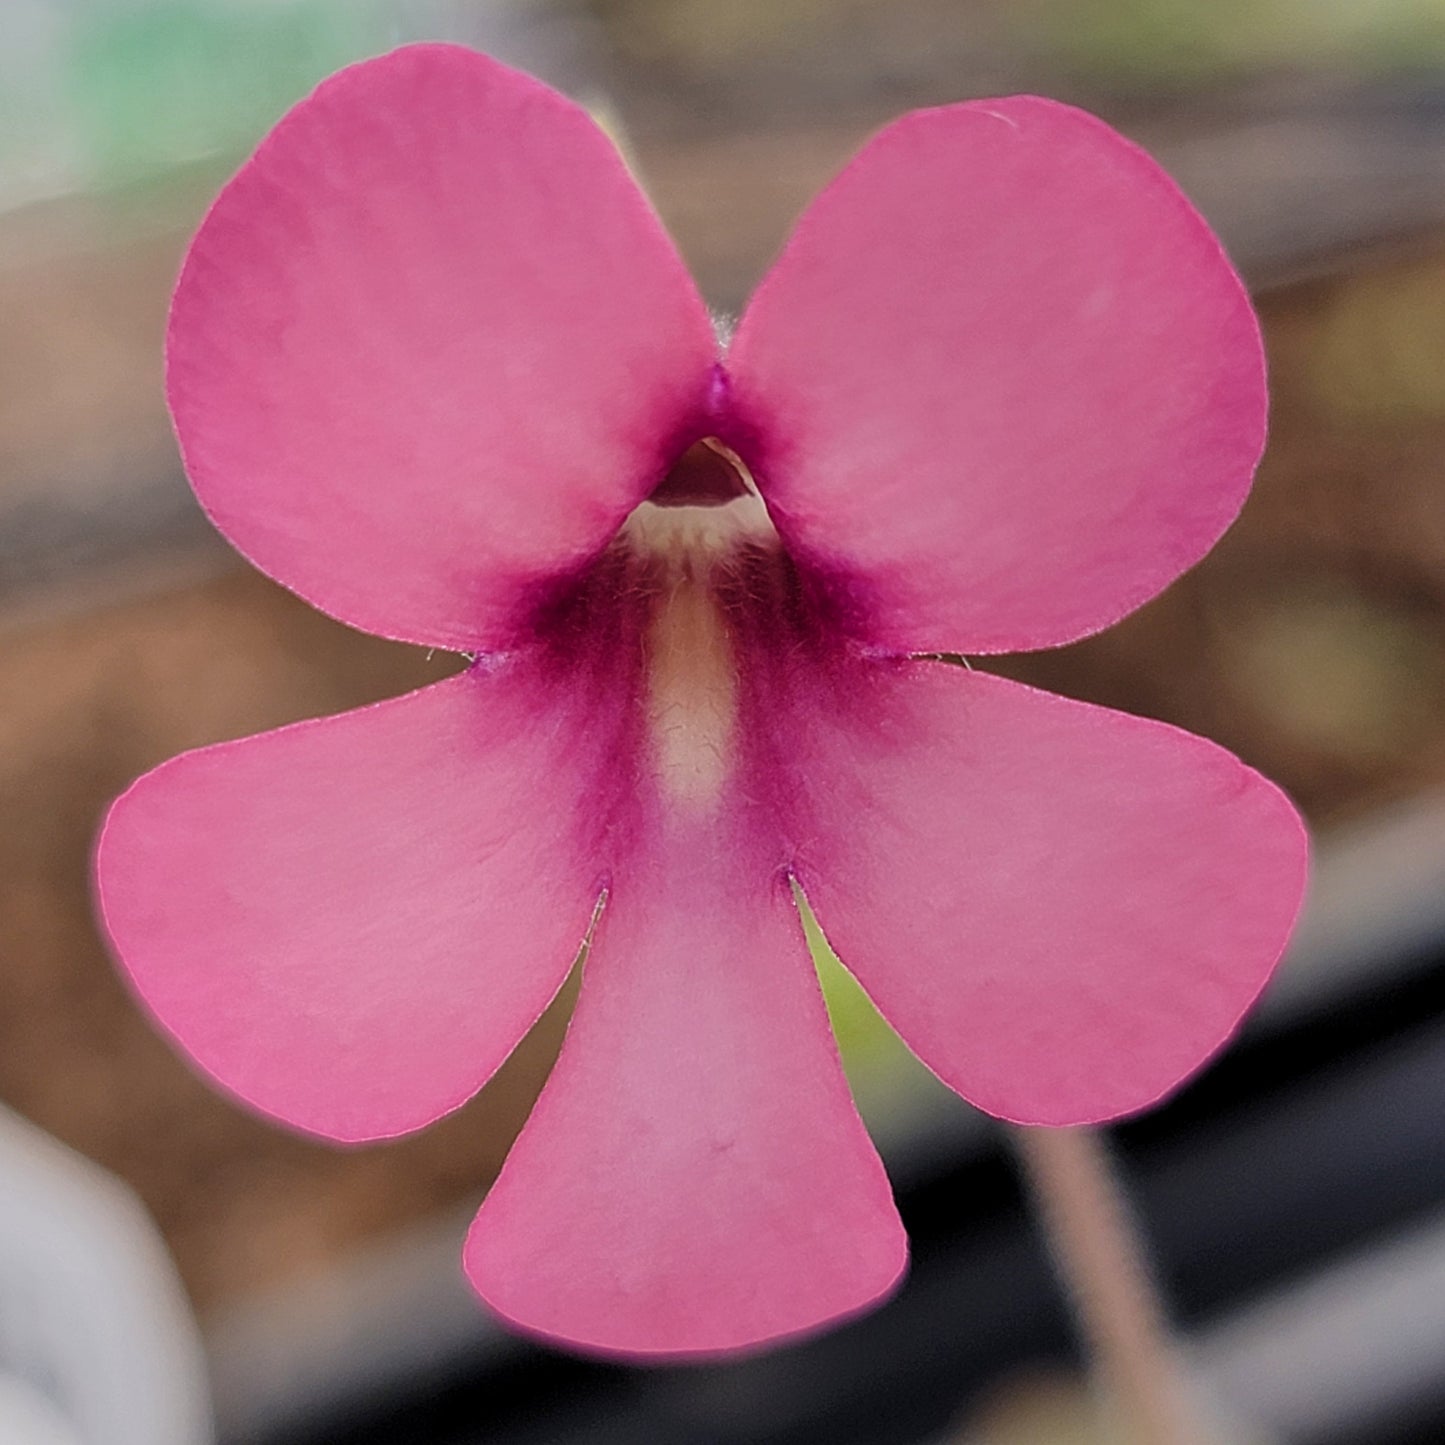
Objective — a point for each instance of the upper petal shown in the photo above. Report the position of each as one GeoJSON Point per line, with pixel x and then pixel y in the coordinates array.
{"type": "Point", "coordinates": [430, 346]}
{"type": "Point", "coordinates": [695, 1178]}
{"type": "Point", "coordinates": [351, 922]}
{"type": "Point", "coordinates": [1063, 910]}
{"type": "Point", "coordinates": [1002, 384]}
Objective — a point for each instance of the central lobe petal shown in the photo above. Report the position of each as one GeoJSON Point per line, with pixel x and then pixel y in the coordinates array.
{"type": "Point", "coordinates": [694, 1178]}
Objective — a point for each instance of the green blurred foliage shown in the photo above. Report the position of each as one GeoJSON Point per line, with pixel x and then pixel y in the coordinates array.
{"type": "Point", "coordinates": [1182, 42]}
{"type": "Point", "coordinates": [876, 1060]}
{"type": "Point", "coordinates": [163, 82]}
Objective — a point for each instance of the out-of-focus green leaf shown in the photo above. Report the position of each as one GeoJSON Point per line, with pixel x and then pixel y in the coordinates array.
{"type": "Point", "coordinates": [159, 83]}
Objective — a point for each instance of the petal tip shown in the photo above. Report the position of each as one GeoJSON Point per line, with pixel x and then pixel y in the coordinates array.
{"type": "Point", "coordinates": [710, 1340]}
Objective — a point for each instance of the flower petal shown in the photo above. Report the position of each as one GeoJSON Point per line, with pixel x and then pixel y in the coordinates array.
{"type": "Point", "coordinates": [1003, 384]}
{"type": "Point", "coordinates": [430, 347]}
{"type": "Point", "coordinates": [351, 922]}
{"type": "Point", "coordinates": [1063, 910]}
{"type": "Point", "coordinates": [695, 1178]}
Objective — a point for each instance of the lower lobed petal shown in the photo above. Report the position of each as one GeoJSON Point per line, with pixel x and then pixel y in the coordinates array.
{"type": "Point", "coordinates": [695, 1178]}
{"type": "Point", "coordinates": [1063, 910]}
{"type": "Point", "coordinates": [351, 922]}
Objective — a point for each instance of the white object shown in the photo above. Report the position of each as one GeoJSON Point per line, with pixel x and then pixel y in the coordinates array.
{"type": "Point", "coordinates": [98, 1345]}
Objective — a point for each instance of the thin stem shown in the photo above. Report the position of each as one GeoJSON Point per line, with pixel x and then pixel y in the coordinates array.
{"type": "Point", "coordinates": [1098, 1252]}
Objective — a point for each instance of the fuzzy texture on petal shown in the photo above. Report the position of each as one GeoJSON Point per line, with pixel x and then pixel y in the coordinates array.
{"type": "Point", "coordinates": [351, 922]}
{"type": "Point", "coordinates": [1002, 385]}
{"type": "Point", "coordinates": [430, 346]}
{"type": "Point", "coordinates": [695, 1178]}
{"type": "Point", "coordinates": [1063, 910]}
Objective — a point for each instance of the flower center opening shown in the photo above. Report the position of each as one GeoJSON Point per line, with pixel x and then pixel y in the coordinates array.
{"type": "Point", "coordinates": [702, 512]}
{"type": "Point", "coordinates": [707, 474]}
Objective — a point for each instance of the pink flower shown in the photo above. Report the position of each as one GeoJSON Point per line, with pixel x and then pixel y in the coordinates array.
{"type": "Point", "coordinates": [430, 356]}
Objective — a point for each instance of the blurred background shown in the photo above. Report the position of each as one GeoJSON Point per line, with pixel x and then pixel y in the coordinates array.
{"type": "Point", "coordinates": [1295, 1195]}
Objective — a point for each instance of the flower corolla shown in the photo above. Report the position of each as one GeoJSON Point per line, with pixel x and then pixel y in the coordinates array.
{"type": "Point", "coordinates": [435, 365]}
